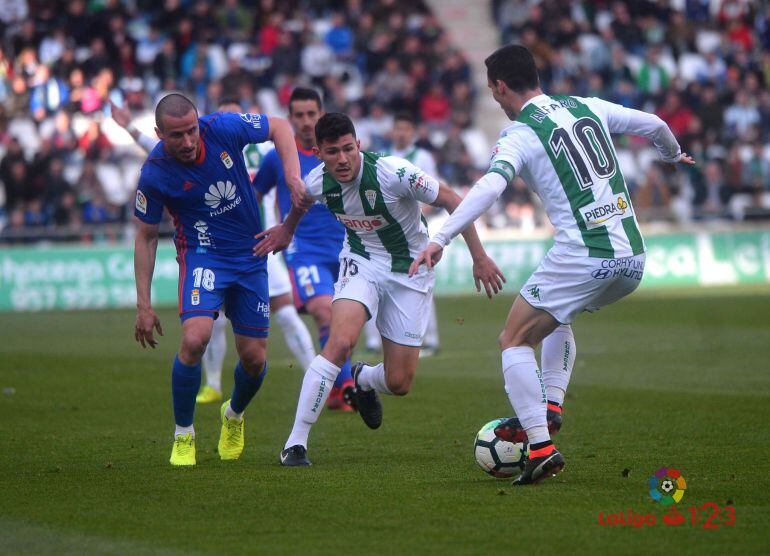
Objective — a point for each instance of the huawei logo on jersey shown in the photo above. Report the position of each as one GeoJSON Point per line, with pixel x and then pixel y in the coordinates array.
{"type": "Point", "coordinates": [222, 197]}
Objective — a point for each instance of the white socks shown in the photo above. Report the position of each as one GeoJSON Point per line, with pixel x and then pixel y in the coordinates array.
{"type": "Point", "coordinates": [297, 335]}
{"type": "Point", "coordinates": [431, 333]}
{"type": "Point", "coordinates": [526, 391]}
{"type": "Point", "coordinates": [373, 378]}
{"type": "Point", "coordinates": [184, 430]}
{"type": "Point", "coordinates": [318, 382]}
{"type": "Point", "coordinates": [214, 355]}
{"type": "Point", "coordinates": [373, 341]}
{"type": "Point", "coordinates": [558, 358]}
{"type": "Point", "coordinates": [230, 414]}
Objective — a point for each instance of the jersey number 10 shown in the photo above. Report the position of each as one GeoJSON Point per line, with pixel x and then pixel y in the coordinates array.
{"type": "Point", "coordinates": [594, 146]}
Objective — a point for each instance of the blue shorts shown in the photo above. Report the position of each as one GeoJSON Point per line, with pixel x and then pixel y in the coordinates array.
{"type": "Point", "coordinates": [206, 283]}
{"type": "Point", "coordinates": [311, 277]}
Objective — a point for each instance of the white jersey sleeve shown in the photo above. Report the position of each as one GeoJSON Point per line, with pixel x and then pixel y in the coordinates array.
{"type": "Point", "coordinates": [620, 119]}
{"type": "Point", "coordinates": [314, 183]}
{"type": "Point", "coordinates": [511, 152]}
{"type": "Point", "coordinates": [146, 142]}
{"type": "Point", "coordinates": [400, 179]}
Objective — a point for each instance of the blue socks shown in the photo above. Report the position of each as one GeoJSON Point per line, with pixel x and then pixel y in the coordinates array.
{"type": "Point", "coordinates": [185, 383]}
{"type": "Point", "coordinates": [245, 387]}
{"type": "Point", "coordinates": [345, 374]}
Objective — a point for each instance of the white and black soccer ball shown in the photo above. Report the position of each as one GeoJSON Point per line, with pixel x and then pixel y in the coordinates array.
{"type": "Point", "coordinates": [496, 456]}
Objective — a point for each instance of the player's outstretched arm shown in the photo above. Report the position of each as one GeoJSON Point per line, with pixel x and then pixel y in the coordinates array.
{"type": "Point", "coordinates": [145, 248]}
{"type": "Point", "coordinates": [485, 271]}
{"type": "Point", "coordinates": [282, 136]}
{"type": "Point", "coordinates": [636, 122]}
{"type": "Point", "coordinates": [122, 117]}
{"type": "Point", "coordinates": [480, 198]}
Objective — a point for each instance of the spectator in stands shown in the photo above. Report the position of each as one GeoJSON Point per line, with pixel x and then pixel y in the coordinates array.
{"type": "Point", "coordinates": [435, 107]}
{"type": "Point", "coordinates": [652, 78]}
{"type": "Point", "coordinates": [741, 116]}
{"type": "Point", "coordinates": [58, 69]}
{"type": "Point", "coordinates": [340, 37]}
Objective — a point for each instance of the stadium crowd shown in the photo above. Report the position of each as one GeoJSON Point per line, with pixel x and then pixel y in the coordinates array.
{"type": "Point", "coordinates": [703, 66]}
{"type": "Point", "coordinates": [68, 171]}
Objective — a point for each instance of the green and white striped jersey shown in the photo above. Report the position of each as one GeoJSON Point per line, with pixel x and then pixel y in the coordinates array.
{"type": "Point", "coordinates": [380, 209]}
{"type": "Point", "coordinates": [561, 146]}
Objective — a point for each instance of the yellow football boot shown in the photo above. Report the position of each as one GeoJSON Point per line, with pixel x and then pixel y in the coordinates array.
{"type": "Point", "coordinates": [208, 395]}
{"type": "Point", "coordinates": [231, 437]}
{"type": "Point", "coordinates": [183, 452]}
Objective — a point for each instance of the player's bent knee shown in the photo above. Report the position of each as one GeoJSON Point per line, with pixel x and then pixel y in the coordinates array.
{"type": "Point", "coordinates": [194, 345]}
{"type": "Point", "coordinates": [399, 385]}
{"type": "Point", "coordinates": [253, 364]}
{"type": "Point", "coordinates": [508, 340]}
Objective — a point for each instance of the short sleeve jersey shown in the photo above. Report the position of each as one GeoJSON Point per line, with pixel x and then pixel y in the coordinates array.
{"type": "Point", "coordinates": [561, 146]}
{"type": "Point", "coordinates": [211, 201]}
{"type": "Point", "coordinates": [318, 234]}
{"type": "Point", "coordinates": [380, 209]}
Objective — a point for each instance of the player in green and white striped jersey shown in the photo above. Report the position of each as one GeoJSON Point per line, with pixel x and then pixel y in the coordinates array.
{"type": "Point", "coordinates": [403, 145]}
{"type": "Point", "coordinates": [377, 199]}
{"type": "Point", "coordinates": [560, 145]}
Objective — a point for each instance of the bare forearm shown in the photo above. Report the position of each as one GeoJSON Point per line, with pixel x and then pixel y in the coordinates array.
{"type": "Point", "coordinates": [144, 264]}
{"type": "Point", "coordinates": [286, 147]}
{"type": "Point", "coordinates": [293, 218]}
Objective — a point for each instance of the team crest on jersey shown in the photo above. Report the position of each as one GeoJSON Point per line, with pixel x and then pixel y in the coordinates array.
{"type": "Point", "coordinates": [141, 202]}
{"type": "Point", "coordinates": [371, 196]}
{"type": "Point", "coordinates": [226, 160]}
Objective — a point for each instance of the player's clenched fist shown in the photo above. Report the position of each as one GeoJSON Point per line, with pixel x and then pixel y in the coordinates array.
{"type": "Point", "coordinates": [146, 321]}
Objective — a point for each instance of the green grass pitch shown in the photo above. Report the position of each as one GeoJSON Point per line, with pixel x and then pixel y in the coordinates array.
{"type": "Point", "coordinates": [661, 380]}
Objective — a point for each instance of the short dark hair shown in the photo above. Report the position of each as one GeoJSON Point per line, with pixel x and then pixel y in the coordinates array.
{"type": "Point", "coordinates": [305, 93]}
{"type": "Point", "coordinates": [513, 65]}
{"type": "Point", "coordinates": [332, 126]}
{"type": "Point", "coordinates": [175, 105]}
{"type": "Point", "coordinates": [404, 117]}
{"type": "Point", "coordinates": [229, 100]}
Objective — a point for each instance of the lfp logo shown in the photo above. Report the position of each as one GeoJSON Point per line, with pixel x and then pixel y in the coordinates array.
{"type": "Point", "coordinates": [667, 486]}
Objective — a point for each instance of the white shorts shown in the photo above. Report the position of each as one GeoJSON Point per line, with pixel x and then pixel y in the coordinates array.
{"type": "Point", "coordinates": [399, 305]}
{"type": "Point", "coordinates": [565, 284]}
{"type": "Point", "coordinates": [277, 277]}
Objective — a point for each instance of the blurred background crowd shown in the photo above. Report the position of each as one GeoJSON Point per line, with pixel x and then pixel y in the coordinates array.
{"type": "Point", "coordinates": [68, 171]}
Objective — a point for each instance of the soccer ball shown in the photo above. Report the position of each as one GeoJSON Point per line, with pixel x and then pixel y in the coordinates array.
{"type": "Point", "coordinates": [497, 457]}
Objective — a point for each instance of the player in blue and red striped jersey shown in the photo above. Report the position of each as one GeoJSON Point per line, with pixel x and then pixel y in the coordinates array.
{"type": "Point", "coordinates": [313, 256]}
{"type": "Point", "coordinates": [198, 174]}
